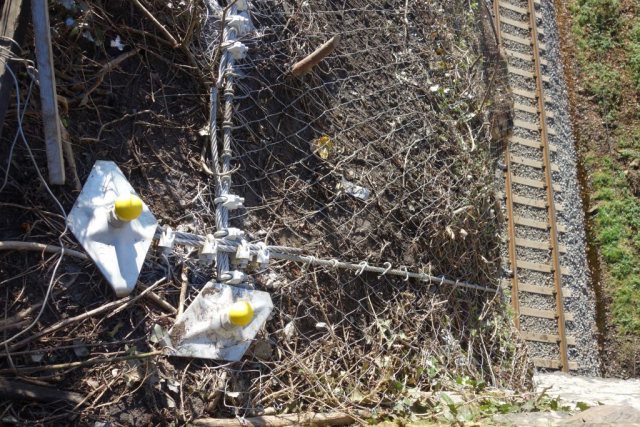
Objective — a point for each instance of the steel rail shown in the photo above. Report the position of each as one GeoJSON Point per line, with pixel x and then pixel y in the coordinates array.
{"type": "Point", "coordinates": [548, 185]}
{"type": "Point", "coordinates": [555, 254]}
{"type": "Point", "coordinates": [511, 227]}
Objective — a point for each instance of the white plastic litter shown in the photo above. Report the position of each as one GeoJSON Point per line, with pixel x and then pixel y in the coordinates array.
{"type": "Point", "coordinates": [119, 252]}
{"type": "Point", "coordinates": [199, 332]}
{"type": "Point", "coordinates": [355, 190]}
{"type": "Point", "coordinates": [117, 43]}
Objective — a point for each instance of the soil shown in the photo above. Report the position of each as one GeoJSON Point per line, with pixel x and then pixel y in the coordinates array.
{"type": "Point", "coordinates": [618, 353]}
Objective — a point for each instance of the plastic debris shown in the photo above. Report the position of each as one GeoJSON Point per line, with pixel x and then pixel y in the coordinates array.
{"type": "Point", "coordinates": [355, 190]}
{"type": "Point", "coordinates": [117, 43]}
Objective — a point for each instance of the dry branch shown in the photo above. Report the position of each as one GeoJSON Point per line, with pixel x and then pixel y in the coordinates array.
{"type": "Point", "coordinates": [309, 418]}
{"type": "Point", "coordinates": [21, 391]}
{"type": "Point", "coordinates": [32, 369]}
{"type": "Point", "coordinates": [39, 247]}
{"type": "Point", "coordinates": [318, 55]}
{"type": "Point", "coordinates": [103, 309]}
{"type": "Point", "coordinates": [153, 19]}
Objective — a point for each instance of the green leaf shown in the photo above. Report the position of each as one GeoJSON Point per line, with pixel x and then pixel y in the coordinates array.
{"type": "Point", "coordinates": [582, 406]}
{"type": "Point", "coordinates": [446, 399]}
{"type": "Point", "coordinates": [157, 333]}
{"type": "Point", "coordinates": [115, 330]}
{"type": "Point", "coordinates": [529, 406]}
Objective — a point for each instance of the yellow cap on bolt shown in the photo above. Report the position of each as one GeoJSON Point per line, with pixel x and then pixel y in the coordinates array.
{"type": "Point", "coordinates": [240, 313]}
{"type": "Point", "coordinates": [128, 208]}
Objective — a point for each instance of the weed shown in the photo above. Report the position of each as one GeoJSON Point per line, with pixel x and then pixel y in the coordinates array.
{"type": "Point", "coordinates": [605, 83]}
{"type": "Point", "coordinates": [608, 43]}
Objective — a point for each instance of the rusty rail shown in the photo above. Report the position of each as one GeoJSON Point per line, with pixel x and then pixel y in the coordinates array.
{"type": "Point", "coordinates": [550, 205]}
{"type": "Point", "coordinates": [555, 254]}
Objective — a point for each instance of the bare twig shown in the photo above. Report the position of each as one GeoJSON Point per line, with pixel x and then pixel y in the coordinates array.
{"type": "Point", "coordinates": [309, 418]}
{"type": "Point", "coordinates": [39, 247]}
{"type": "Point", "coordinates": [183, 290]}
{"type": "Point", "coordinates": [109, 66]}
{"type": "Point", "coordinates": [157, 23]}
{"type": "Point", "coordinates": [32, 369]}
{"type": "Point", "coordinates": [159, 301]}
{"type": "Point", "coordinates": [22, 391]}
{"type": "Point", "coordinates": [125, 302]}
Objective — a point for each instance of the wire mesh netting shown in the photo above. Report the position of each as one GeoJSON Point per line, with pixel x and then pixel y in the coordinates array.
{"type": "Point", "coordinates": [384, 154]}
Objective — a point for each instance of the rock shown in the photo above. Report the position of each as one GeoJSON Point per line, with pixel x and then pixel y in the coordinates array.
{"type": "Point", "coordinates": [603, 416]}
{"type": "Point", "coordinates": [532, 419]}
{"type": "Point", "coordinates": [589, 390]}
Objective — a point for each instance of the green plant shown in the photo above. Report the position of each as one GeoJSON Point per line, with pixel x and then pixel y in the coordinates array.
{"type": "Point", "coordinates": [605, 83]}
{"type": "Point", "coordinates": [600, 20]}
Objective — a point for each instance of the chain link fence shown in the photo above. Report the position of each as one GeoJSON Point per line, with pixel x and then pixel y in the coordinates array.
{"type": "Point", "coordinates": [382, 154]}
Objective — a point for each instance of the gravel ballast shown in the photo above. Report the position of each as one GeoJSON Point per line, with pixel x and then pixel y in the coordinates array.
{"type": "Point", "coordinates": [581, 304]}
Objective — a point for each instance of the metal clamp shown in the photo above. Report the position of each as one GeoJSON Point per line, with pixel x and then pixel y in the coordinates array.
{"type": "Point", "coordinates": [167, 241]}
{"type": "Point", "coordinates": [230, 201]}
{"type": "Point", "coordinates": [234, 234]}
{"type": "Point", "coordinates": [240, 23]}
{"type": "Point", "coordinates": [234, 277]}
{"type": "Point", "coordinates": [262, 258]}
{"type": "Point", "coordinates": [242, 256]}
{"type": "Point", "coordinates": [238, 50]}
{"type": "Point", "coordinates": [208, 251]}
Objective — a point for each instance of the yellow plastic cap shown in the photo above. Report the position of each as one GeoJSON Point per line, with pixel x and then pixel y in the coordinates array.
{"type": "Point", "coordinates": [240, 313]}
{"type": "Point", "coordinates": [128, 207]}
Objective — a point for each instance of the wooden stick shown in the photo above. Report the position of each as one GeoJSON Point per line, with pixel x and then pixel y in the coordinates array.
{"type": "Point", "coordinates": [183, 291]}
{"type": "Point", "coordinates": [39, 247]}
{"type": "Point", "coordinates": [68, 154]}
{"type": "Point", "coordinates": [15, 390]}
{"type": "Point", "coordinates": [309, 418]}
{"type": "Point", "coordinates": [13, 27]}
{"type": "Point", "coordinates": [159, 301]}
{"type": "Point", "coordinates": [32, 369]}
{"type": "Point", "coordinates": [48, 96]}
{"type": "Point", "coordinates": [318, 55]}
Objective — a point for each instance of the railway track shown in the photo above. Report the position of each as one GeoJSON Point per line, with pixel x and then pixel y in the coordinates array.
{"type": "Point", "coordinates": [536, 272]}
